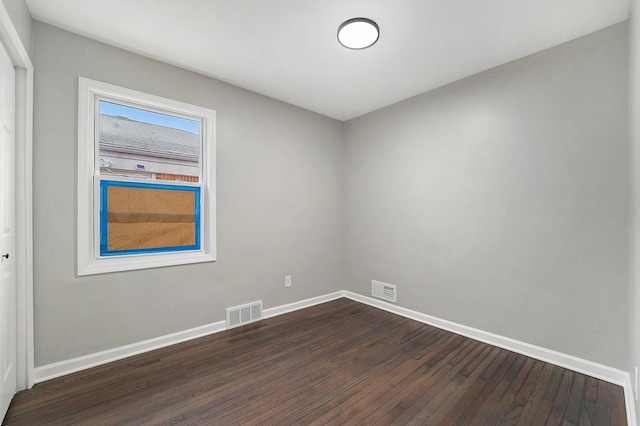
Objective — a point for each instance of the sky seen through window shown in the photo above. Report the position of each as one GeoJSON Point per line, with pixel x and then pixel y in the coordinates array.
{"type": "Point", "coordinates": [145, 116]}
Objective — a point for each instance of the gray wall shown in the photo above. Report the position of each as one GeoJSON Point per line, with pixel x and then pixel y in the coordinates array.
{"type": "Point", "coordinates": [634, 163]}
{"type": "Point", "coordinates": [21, 18]}
{"type": "Point", "coordinates": [279, 206]}
{"type": "Point", "coordinates": [501, 201]}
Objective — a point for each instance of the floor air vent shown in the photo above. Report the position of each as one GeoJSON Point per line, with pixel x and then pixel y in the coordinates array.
{"type": "Point", "coordinates": [383, 291]}
{"type": "Point", "coordinates": [244, 314]}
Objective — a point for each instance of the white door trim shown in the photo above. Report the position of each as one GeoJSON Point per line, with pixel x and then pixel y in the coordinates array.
{"type": "Point", "coordinates": [24, 199]}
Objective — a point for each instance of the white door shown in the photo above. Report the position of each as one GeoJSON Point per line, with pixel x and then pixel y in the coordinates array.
{"type": "Point", "coordinates": [7, 234]}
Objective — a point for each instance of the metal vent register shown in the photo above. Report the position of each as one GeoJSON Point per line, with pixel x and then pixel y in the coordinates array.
{"type": "Point", "coordinates": [244, 314]}
{"type": "Point", "coordinates": [383, 291]}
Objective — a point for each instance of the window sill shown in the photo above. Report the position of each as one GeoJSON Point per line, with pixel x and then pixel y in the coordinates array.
{"type": "Point", "coordinates": [128, 263]}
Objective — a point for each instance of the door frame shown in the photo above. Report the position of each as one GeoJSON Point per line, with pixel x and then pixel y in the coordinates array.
{"type": "Point", "coordinates": [25, 369]}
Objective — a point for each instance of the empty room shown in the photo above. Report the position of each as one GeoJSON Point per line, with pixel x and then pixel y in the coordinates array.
{"type": "Point", "coordinates": [234, 212]}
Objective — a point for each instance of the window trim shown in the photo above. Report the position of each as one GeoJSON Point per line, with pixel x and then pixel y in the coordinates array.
{"type": "Point", "coordinates": [88, 260]}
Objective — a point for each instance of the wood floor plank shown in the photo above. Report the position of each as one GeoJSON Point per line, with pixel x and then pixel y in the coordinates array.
{"type": "Point", "coordinates": [358, 357]}
{"type": "Point", "coordinates": [536, 397]}
{"type": "Point", "coordinates": [400, 398]}
{"type": "Point", "coordinates": [618, 412]}
{"type": "Point", "coordinates": [573, 409]}
{"type": "Point", "coordinates": [588, 412]}
{"type": "Point", "coordinates": [480, 402]}
{"type": "Point", "coordinates": [439, 399]}
{"type": "Point", "coordinates": [561, 398]}
{"type": "Point", "coordinates": [356, 402]}
{"type": "Point", "coordinates": [514, 412]}
{"type": "Point", "coordinates": [361, 399]}
{"type": "Point", "coordinates": [603, 404]}
{"type": "Point", "coordinates": [337, 363]}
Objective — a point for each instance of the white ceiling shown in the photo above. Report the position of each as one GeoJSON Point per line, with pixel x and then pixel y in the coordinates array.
{"type": "Point", "coordinates": [287, 49]}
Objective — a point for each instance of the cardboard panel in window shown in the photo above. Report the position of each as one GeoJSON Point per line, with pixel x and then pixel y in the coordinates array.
{"type": "Point", "coordinates": [137, 218]}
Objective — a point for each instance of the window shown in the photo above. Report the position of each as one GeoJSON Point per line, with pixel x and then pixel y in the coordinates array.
{"type": "Point", "coordinates": [146, 180]}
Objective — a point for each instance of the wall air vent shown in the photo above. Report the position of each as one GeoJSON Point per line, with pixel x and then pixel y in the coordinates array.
{"type": "Point", "coordinates": [244, 314]}
{"type": "Point", "coordinates": [383, 291]}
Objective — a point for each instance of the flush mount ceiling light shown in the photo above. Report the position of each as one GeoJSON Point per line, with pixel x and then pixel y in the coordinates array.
{"type": "Point", "coordinates": [358, 33]}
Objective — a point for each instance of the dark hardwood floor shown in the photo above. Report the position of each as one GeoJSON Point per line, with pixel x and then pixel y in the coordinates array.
{"type": "Point", "coordinates": [337, 363]}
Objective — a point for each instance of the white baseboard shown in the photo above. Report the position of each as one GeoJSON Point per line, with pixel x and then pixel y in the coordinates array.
{"type": "Point", "coordinates": [579, 365]}
{"type": "Point", "coordinates": [62, 368]}
{"type": "Point", "coordinates": [283, 309]}
{"type": "Point", "coordinates": [570, 362]}
{"type": "Point", "coordinates": [630, 402]}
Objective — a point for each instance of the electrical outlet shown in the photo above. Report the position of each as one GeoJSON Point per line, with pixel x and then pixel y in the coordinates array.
{"type": "Point", "coordinates": [287, 281]}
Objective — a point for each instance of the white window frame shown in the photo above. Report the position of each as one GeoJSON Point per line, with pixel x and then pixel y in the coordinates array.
{"type": "Point", "coordinates": [88, 257]}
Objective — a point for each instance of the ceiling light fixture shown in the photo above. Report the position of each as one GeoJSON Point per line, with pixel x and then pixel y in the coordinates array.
{"type": "Point", "coordinates": [358, 33]}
